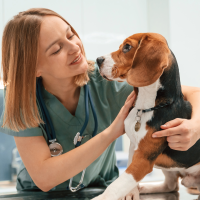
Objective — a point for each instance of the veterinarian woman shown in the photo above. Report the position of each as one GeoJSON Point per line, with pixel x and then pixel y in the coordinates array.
{"type": "Point", "coordinates": [40, 43]}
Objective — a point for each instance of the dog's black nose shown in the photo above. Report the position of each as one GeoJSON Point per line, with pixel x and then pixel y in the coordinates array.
{"type": "Point", "coordinates": [100, 61]}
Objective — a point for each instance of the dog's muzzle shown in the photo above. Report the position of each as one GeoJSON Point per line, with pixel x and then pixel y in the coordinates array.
{"type": "Point", "coordinates": [100, 61]}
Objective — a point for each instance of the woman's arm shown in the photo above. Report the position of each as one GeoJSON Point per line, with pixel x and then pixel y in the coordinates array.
{"type": "Point", "coordinates": [192, 94]}
{"type": "Point", "coordinates": [182, 133]}
{"type": "Point", "coordinates": [48, 172]}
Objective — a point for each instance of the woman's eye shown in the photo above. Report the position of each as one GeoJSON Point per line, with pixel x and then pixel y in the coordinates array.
{"type": "Point", "coordinates": [57, 51]}
{"type": "Point", "coordinates": [126, 48]}
{"type": "Point", "coordinates": [71, 36]}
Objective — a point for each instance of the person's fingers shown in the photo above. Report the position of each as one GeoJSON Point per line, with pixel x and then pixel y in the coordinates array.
{"type": "Point", "coordinates": [129, 197]}
{"type": "Point", "coordinates": [132, 94]}
{"type": "Point", "coordinates": [174, 145]}
{"type": "Point", "coordinates": [178, 149]}
{"type": "Point", "coordinates": [179, 146]}
{"type": "Point", "coordinates": [172, 123]}
{"type": "Point", "coordinates": [174, 138]}
{"type": "Point", "coordinates": [125, 109]}
{"type": "Point", "coordinates": [128, 104]}
{"type": "Point", "coordinates": [167, 132]}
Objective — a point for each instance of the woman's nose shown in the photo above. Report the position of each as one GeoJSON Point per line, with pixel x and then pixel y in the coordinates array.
{"type": "Point", "coordinates": [73, 48]}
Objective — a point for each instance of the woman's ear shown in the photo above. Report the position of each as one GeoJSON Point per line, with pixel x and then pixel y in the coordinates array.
{"type": "Point", "coordinates": [38, 71]}
{"type": "Point", "coordinates": [38, 75]}
{"type": "Point", "coordinates": [149, 62]}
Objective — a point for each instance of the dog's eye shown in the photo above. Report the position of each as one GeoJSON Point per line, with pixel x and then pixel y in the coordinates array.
{"type": "Point", "coordinates": [126, 48]}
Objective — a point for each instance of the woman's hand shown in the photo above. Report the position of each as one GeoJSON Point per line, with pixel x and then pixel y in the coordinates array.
{"type": "Point", "coordinates": [181, 133]}
{"type": "Point", "coordinates": [117, 127]}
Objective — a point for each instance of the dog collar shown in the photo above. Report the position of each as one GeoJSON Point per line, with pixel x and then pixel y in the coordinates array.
{"type": "Point", "coordinates": [140, 111]}
{"type": "Point", "coordinates": [156, 107]}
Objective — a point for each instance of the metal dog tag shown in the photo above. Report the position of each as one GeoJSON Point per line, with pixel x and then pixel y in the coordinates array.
{"type": "Point", "coordinates": [55, 149]}
{"type": "Point", "coordinates": [137, 126]}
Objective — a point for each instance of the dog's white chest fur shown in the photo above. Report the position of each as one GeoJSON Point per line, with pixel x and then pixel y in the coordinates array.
{"type": "Point", "coordinates": [145, 100]}
{"type": "Point", "coordinates": [130, 123]}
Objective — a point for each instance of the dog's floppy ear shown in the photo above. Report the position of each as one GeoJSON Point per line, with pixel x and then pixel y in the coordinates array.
{"type": "Point", "coordinates": [149, 62]}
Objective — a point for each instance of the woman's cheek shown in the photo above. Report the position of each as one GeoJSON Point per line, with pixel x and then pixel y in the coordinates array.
{"type": "Point", "coordinates": [58, 59]}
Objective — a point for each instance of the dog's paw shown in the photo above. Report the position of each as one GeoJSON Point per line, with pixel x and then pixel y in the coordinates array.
{"type": "Point", "coordinates": [144, 189]}
{"type": "Point", "coordinates": [133, 195]}
{"type": "Point", "coordinates": [188, 181]}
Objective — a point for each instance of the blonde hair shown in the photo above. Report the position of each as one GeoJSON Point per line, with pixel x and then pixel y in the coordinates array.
{"type": "Point", "coordinates": [19, 59]}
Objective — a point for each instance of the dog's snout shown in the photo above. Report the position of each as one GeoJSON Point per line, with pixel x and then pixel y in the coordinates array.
{"type": "Point", "coordinates": [100, 61]}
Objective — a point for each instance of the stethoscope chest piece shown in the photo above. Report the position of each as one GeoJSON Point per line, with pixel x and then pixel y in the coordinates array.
{"type": "Point", "coordinates": [55, 149]}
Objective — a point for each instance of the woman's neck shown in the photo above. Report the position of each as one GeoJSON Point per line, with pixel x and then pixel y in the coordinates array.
{"type": "Point", "coordinates": [65, 90]}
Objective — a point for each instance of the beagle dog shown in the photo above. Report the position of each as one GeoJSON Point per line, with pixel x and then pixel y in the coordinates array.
{"type": "Point", "coordinates": [145, 61]}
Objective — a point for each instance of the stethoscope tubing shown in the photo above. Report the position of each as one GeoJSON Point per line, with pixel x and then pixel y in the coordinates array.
{"type": "Point", "coordinates": [86, 111]}
{"type": "Point", "coordinates": [88, 95]}
{"type": "Point", "coordinates": [48, 122]}
{"type": "Point", "coordinates": [94, 114]}
{"type": "Point", "coordinates": [45, 113]}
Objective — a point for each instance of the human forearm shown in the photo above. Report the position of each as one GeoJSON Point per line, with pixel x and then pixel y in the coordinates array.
{"type": "Point", "coordinates": [56, 170]}
{"type": "Point", "coordinates": [192, 94]}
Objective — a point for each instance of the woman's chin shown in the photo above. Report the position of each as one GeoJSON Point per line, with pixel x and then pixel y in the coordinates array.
{"type": "Point", "coordinates": [81, 70]}
{"type": "Point", "coordinates": [84, 67]}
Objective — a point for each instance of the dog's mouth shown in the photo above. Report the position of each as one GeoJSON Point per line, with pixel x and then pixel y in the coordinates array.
{"type": "Point", "coordinates": [104, 76]}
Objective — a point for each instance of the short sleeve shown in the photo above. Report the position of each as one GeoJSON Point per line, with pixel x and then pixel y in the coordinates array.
{"type": "Point", "coordinates": [37, 131]}
{"type": "Point", "coordinates": [122, 91]}
{"type": "Point", "coordinates": [25, 133]}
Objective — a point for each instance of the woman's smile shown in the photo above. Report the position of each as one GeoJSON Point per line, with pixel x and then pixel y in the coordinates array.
{"type": "Point", "coordinates": [77, 60]}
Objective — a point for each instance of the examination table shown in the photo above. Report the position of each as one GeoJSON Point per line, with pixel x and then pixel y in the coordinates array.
{"type": "Point", "coordinates": [89, 193]}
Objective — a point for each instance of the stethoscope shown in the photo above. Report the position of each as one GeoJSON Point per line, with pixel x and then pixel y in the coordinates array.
{"type": "Point", "coordinates": [55, 148]}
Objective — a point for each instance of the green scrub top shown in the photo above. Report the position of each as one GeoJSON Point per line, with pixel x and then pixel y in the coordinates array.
{"type": "Point", "coordinates": [108, 98]}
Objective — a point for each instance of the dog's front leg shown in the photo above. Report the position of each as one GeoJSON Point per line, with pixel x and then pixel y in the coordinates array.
{"type": "Point", "coordinates": [139, 167]}
{"type": "Point", "coordinates": [119, 188]}
{"type": "Point", "coordinates": [131, 152]}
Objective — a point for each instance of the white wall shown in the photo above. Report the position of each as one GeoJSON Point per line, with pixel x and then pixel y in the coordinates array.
{"type": "Point", "coordinates": [107, 23]}
{"type": "Point", "coordinates": [71, 10]}
{"type": "Point", "coordinates": [101, 24]}
{"type": "Point", "coordinates": [184, 37]}
{"type": "Point", "coordinates": [158, 17]}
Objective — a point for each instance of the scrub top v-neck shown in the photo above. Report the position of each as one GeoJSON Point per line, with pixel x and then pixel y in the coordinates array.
{"type": "Point", "coordinates": [108, 98]}
{"type": "Point", "coordinates": [61, 112]}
